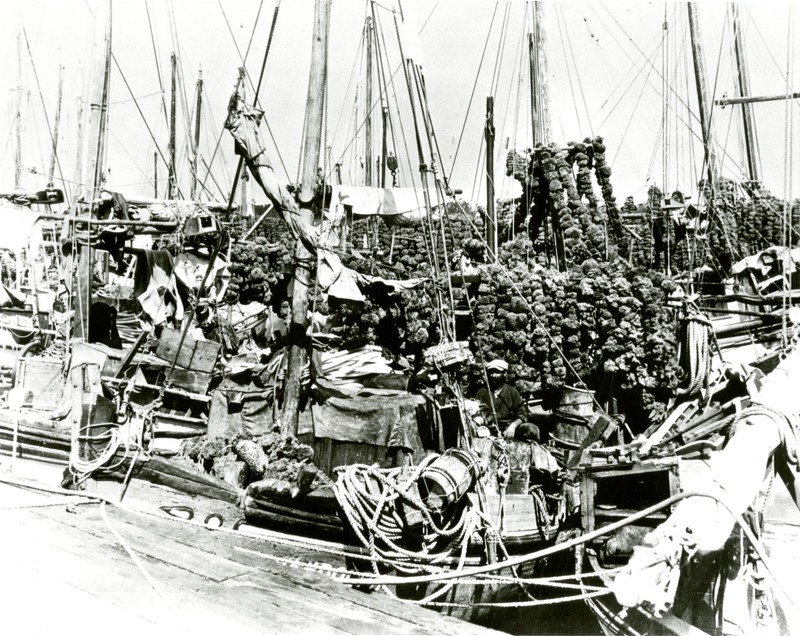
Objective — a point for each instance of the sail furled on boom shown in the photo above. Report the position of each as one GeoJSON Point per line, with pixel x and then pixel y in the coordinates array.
{"type": "Point", "coordinates": [243, 123]}
{"type": "Point", "coordinates": [333, 277]}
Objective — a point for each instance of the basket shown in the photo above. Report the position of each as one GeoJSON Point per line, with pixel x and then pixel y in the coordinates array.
{"type": "Point", "coordinates": [448, 355]}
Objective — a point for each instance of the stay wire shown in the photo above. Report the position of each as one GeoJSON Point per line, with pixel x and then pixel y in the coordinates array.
{"type": "Point", "coordinates": [578, 77]}
{"type": "Point", "coordinates": [559, 20]}
{"type": "Point", "coordinates": [158, 66]}
{"type": "Point", "coordinates": [472, 93]}
{"type": "Point", "coordinates": [44, 108]}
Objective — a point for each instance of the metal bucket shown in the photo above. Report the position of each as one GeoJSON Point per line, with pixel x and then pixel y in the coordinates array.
{"type": "Point", "coordinates": [448, 478]}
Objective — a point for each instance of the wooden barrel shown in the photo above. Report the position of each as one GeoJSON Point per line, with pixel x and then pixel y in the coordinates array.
{"type": "Point", "coordinates": [573, 417]}
{"type": "Point", "coordinates": [576, 402]}
{"type": "Point", "coordinates": [448, 478]}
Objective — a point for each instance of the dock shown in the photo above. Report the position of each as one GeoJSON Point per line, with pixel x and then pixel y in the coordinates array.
{"type": "Point", "coordinates": [75, 566]}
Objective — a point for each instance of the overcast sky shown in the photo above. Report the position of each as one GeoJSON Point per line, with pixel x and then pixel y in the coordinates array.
{"type": "Point", "coordinates": [606, 64]}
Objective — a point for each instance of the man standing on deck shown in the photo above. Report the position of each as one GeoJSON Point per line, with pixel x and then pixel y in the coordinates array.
{"type": "Point", "coordinates": [504, 405]}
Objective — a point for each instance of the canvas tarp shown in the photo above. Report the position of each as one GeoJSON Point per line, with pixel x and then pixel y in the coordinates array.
{"type": "Point", "coordinates": [384, 420]}
{"type": "Point", "coordinates": [399, 206]}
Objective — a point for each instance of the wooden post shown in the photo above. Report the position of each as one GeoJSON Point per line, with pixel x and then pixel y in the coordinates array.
{"type": "Point", "coordinates": [197, 114]}
{"type": "Point", "coordinates": [297, 337]}
{"type": "Point", "coordinates": [491, 214]}
{"type": "Point", "coordinates": [155, 174]}
{"type": "Point", "coordinates": [748, 124]}
{"type": "Point", "coordinates": [702, 92]}
{"type": "Point", "coordinates": [57, 124]}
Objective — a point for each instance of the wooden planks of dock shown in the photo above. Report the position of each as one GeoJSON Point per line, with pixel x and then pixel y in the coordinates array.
{"type": "Point", "coordinates": [64, 571]}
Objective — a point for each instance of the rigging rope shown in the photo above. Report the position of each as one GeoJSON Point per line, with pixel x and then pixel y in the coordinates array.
{"type": "Point", "coordinates": [158, 66]}
{"type": "Point", "coordinates": [44, 108]}
{"type": "Point", "coordinates": [695, 349]}
{"type": "Point", "coordinates": [472, 93]}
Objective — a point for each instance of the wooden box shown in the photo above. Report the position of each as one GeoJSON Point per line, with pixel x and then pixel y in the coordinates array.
{"type": "Point", "coordinates": [519, 512]}
{"type": "Point", "coordinates": [43, 382]}
{"type": "Point", "coordinates": [195, 355]}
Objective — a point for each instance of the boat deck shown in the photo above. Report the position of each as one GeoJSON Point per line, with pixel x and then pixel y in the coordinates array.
{"type": "Point", "coordinates": [67, 568]}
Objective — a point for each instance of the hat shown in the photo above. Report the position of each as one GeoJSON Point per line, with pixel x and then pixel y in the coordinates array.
{"type": "Point", "coordinates": [497, 365]}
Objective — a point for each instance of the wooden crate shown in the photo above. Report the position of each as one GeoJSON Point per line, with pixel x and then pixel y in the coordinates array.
{"type": "Point", "coordinates": [195, 355]}
{"type": "Point", "coordinates": [614, 491]}
{"type": "Point", "coordinates": [330, 453]}
{"type": "Point", "coordinates": [519, 512]}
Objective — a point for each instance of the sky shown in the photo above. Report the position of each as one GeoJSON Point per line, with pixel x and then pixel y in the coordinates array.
{"type": "Point", "coordinates": [606, 64]}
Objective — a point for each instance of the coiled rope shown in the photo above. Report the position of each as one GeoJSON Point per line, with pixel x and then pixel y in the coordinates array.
{"type": "Point", "coordinates": [695, 349]}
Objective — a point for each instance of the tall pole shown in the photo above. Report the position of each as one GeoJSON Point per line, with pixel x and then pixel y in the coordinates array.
{"type": "Point", "coordinates": [18, 118]}
{"type": "Point", "coordinates": [750, 140]}
{"type": "Point", "coordinates": [155, 174]}
{"type": "Point", "coordinates": [702, 91]}
{"type": "Point", "coordinates": [368, 100]}
{"type": "Point", "coordinates": [93, 158]}
{"type": "Point", "coordinates": [491, 214]}
{"type": "Point", "coordinates": [78, 179]}
{"type": "Point", "coordinates": [665, 103]}
{"type": "Point", "coordinates": [197, 114]}
{"type": "Point", "coordinates": [540, 99]}
{"type": "Point", "coordinates": [172, 151]}
{"type": "Point", "coordinates": [315, 104]}
{"type": "Point", "coordinates": [57, 124]}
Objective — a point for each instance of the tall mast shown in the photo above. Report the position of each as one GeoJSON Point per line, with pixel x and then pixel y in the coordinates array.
{"type": "Point", "coordinates": [702, 92]}
{"type": "Point", "coordinates": [172, 187]}
{"type": "Point", "coordinates": [540, 99]}
{"type": "Point", "coordinates": [197, 113]}
{"type": "Point", "coordinates": [94, 143]}
{"type": "Point", "coordinates": [315, 104]}
{"type": "Point", "coordinates": [57, 125]}
{"type": "Point", "coordinates": [540, 109]}
{"type": "Point", "coordinates": [750, 140]}
{"type": "Point", "coordinates": [93, 157]}
{"type": "Point", "coordinates": [491, 216]}
{"type": "Point", "coordinates": [78, 178]}
{"type": "Point", "coordinates": [368, 100]}
{"type": "Point", "coordinates": [18, 117]}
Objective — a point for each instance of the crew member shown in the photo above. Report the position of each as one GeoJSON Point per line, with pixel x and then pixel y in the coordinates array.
{"type": "Point", "coordinates": [504, 405]}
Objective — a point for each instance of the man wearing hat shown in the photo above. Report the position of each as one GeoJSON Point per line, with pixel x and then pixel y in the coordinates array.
{"type": "Point", "coordinates": [501, 403]}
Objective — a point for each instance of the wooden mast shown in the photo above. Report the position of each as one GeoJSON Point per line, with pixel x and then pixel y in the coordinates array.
{"type": "Point", "coordinates": [702, 91]}
{"type": "Point", "coordinates": [93, 157]}
{"type": "Point", "coordinates": [540, 98]}
{"type": "Point", "coordinates": [491, 214]}
{"type": "Point", "coordinates": [748, 124]}
{"type": "Point", "coordinates": [540, 111]}
{"type": "Point", "coordinates": [172, 187]}
{"type": "Point", "coordinates": [315, 103]}
{"type": "Point", "coordinates": [57, 124]}
{"type": "Point", "coordinates": [368, 102]}
{"type": "Point", "coordinates": [18, 118]}
{"type": "Point", "coordinates": [197, 114]}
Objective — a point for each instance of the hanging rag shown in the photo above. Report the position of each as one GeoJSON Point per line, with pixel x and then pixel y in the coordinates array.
{"type": "Point", "coordinates": [156, 286]}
